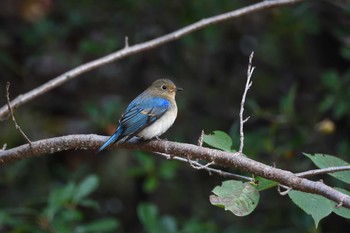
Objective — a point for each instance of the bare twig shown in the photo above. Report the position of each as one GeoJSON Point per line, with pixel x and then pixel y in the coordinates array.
{"type": "Point", "coordinates": [323, 171]}
{"type": "Point", "coordinates": [126, 45]}
{"type": "Point", "coordinates": [340, 204]}
{"type": "Point", "coordinates": [221, 158]}
{"type": "Point", "coordinates": [200, 139]}
{"type": "Point", "coordinates": [285, 192]}
{"type": "Point", "coordinates": [138, 48]}
{"type": "Point", "coordinates": [313, 173]}
{"type": "Point", "coordinates": [196, 165]}
{"type": "Point", "coordinates": [247, 86]}
{"type": "Point", "coordinates": [13, 117]}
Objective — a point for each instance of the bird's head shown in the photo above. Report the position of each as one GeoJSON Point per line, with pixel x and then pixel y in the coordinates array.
{"type": "Point", "coordinates": [164, 88]}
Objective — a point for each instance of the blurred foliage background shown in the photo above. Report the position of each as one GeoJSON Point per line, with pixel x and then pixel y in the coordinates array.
{"type": "Point", "coordinates": [299, 102]}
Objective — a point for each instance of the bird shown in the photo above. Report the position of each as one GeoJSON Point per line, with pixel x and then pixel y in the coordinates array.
{"type": "Point", "coordinates": [149, 115]}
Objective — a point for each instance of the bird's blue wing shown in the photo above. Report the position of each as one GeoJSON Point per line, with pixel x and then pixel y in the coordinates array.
{"type": "Point", "coordinates": [142, 112]}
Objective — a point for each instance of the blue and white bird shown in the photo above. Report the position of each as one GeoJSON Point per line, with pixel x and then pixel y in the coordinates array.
{"type": "Point", "coordinates": [149, 115]}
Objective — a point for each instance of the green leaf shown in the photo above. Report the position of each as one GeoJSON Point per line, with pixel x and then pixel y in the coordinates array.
{"type": "Point", "coordinates": [148, 215]}
{"type": "Point", "coordinates": [6, 218]}
{"type": "Point", "coordinates": [89, 203]}
{"type": "Point", "coordinates": [263, 184]}
{"type": "Point", "coordinates": [103, 225]}
{"type": "Point", "coordinates": [167, 224]}
{"type": "Point", "coordinates": [324, 161]}
{"type": "Point", "coordinates": [150, 184]}
{"type": "Point", "coordinates": [70, 215]}
{"type": "Point", "coordinates": [315, 205]}
{"type": "Point", "coordinates": [62, 195]}
{"type": "Point", "coordinates": [66, 219]}
{"type": "Point", "coordinates": [58, 198]}
{"type": "Point", "coordinates": [194, 225]}
{"type": "Point", "coordinates": [238, 197]}
{"type": "Point", "coordinates": [86, 187]}
{"type": "Point", "coordinates": [219, 140]}
{"type": "Point", "coordinates": [341, 109]}
{"type": "Point", "coordinates": [341, 211]}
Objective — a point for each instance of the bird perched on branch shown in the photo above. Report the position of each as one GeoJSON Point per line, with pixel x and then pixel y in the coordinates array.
{"type": "Point", "coordinates": [149, 115]}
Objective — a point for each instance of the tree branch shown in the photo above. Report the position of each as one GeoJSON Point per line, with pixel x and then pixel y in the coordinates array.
{"type": "Point", "coordinates": [130, 50]}
{"type": "Point", "coordinates": [235, 160]}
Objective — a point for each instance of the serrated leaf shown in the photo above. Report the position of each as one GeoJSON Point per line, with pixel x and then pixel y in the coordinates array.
{"type": "Point", "coordinates": [324, 161]}
{"type": "Point", "coordinates": [341, 211]}
{"type": "Point", "coordinates": [263, 184]}
{"type": "Point", "coordinates": [238, 197]}
{"type": "Point", "coordinates": [86, 187]}
{"type": "Point", "coordinates": [315, 205]}
{"type": "Point", "coordinates": [219, 140]}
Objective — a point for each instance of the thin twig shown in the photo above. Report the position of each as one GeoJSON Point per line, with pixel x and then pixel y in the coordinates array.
{"type": "Point", "coordinates": [126, 45]}
{"type": "Point", "coordinates": [124, 52]}
{"type": "Point", "coordinates": [247, 86]}
{"type": "Point", "coordinates": [13, 117]}
{"type": "Point", "coordinates": [340, 204]}
{"type": "Point", "coordinates": [322, 171]}
{"type": "Point", "coordinates": [285, 192]}
{"type": "Point", "coordinates": [200, 139]}
{"type": "Point", "coordinates": [196, 165]}
{"type": "Point", "coordinates": [313, 173]}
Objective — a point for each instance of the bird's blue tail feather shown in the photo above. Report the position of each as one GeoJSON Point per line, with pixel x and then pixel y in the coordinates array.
{"type": "Point", "coordinates": [110, 140]}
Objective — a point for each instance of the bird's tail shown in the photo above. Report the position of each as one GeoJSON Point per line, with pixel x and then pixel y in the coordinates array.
{"type": "Point", "coordinates": [110, 140]}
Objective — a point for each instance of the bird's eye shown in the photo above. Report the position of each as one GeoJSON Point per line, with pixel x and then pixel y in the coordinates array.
{"type": "Point", "coordinates": [164, 87]}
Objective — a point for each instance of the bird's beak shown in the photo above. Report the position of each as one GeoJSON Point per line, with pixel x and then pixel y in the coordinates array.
{"type": "Point", "coordinates": [179, 89]}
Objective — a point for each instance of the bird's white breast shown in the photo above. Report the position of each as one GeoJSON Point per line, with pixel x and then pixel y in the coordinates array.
{"type": "Point", "coordinates": [160, 126]}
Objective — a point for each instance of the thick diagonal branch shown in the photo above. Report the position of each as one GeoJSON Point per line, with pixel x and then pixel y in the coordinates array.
{"type": "Point", "coordinates": [130, 50]}
{"type": "Point", "coordinates": [234, 160]}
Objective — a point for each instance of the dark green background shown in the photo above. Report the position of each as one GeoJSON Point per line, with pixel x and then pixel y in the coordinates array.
{"type": "Point", "coordinates": [302, 55]}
